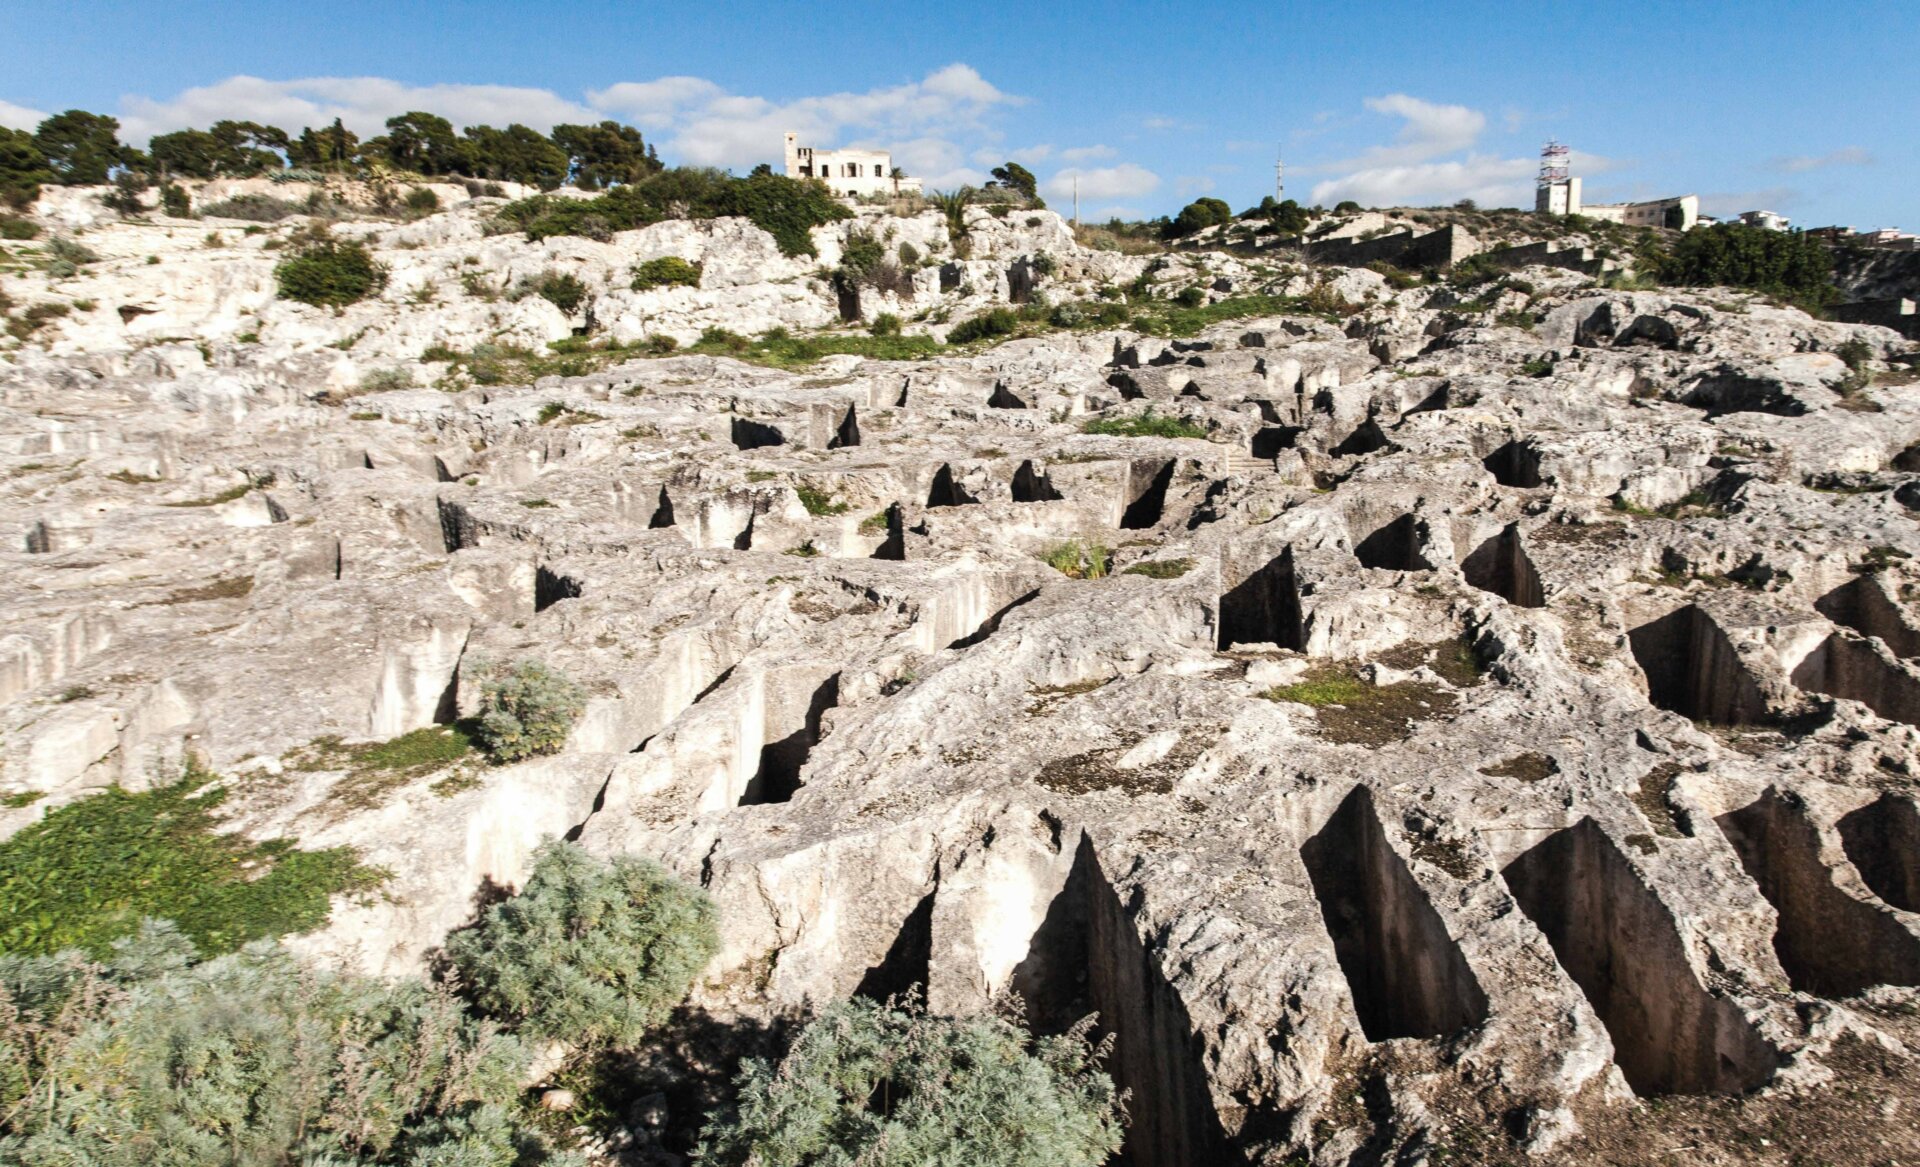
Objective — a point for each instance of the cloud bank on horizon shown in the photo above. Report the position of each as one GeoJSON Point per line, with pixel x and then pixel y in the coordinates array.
{"type": "Point", "coordinates": [948, 127]}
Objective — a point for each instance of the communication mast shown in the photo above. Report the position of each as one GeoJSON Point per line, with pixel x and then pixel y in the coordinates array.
{"type": "Point", "coordinates": [1555, 163]}
{"type": "Point", "coordinates": [1279, 179]}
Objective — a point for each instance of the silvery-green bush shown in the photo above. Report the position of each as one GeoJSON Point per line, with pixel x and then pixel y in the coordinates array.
{"type": "Point", "coordinates": [526, 708]}
{"type": "Point", "coordinates": [591, 951]}
{"type": "Point", "coordinates": [891, 1086]}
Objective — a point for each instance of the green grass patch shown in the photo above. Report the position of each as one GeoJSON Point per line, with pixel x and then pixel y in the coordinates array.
{"type": "Point", "coordinates": [1144, 425]}
{"type": "Point", "coordinates": [87, 874]}
{"type": "Point", "coordinates": [1161, 568]}
{"type": "Point", "coordinates": [819, 502]}
{"type": "Point", "coordinates": [214, 500]}
{"type": "Point", "coordinates": [376, 769]}
{"type": "Point", "coordinates": [1322, 690]}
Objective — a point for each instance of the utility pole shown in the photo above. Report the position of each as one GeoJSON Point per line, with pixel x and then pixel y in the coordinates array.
{"type": "Point", "coordinates": [1279, 178]}
{"type": "Point", "coordinates": [1076, 202]}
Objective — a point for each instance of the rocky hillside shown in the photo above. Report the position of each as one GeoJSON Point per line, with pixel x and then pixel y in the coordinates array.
{"type": "Point", "coordinates": [1417, 722]}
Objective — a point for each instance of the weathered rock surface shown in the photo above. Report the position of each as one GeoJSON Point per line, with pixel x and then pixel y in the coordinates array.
{"type": "Point", "coordinates": [1617, 795]}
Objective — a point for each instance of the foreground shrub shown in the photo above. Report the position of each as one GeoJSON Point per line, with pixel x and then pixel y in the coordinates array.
{"type": "Point", "coordinates": [666, 272]}
{"type": "Point", "coordinates": [85, 875]}
{"type": "Point", "coordinates": [893, 1087]}
{"type": "Point", "coordinates": [330, 274]}
{"type": "Point", "coordinates": [564, 291]}
{"type": "Point", "coordinates": [1145, 425]}
{"type": "Point", "coordinates": [150, 1060]}
{"type": "Point", "coordinates": [590, 952]}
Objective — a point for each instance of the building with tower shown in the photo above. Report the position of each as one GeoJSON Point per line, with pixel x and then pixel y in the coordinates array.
{"type": "Point", "coordinates": [1557, 192]}
{"type": "Point", "coordinates": [848, 172]}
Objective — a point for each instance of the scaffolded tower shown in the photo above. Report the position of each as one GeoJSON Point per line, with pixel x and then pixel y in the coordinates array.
{"type": "Point", "coordinates": [1556, 192]}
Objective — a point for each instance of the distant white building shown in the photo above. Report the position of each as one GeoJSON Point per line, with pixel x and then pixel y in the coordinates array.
{"type": "Point", "coordinates": [1558, 193]}
{"type": "Point", "coordinates": [848, 172]}
{"type": "Point", "coordinates": [1766, 220]}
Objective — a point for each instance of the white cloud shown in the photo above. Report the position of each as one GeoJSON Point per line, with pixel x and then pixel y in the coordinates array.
{"type": "Point", "coordinates": [1845, 156]}
{"type": "Point", "coordinates": [1031, 156]}
{"type": "Point", "coordinates": [19, 117]}
{"type": "Point", "coordinates": [1188, 185]}
{"type": "Point", "coordinates": [1087, 153]}
{"type": "Point", "coordinates": [1125, 181]}
{"type": "Point", "coordinates": [1159, 123]}
{"type": "Point", "coordinates": [363, 103]}
{"type": "Point", "coordinates": [1484, 178]}
{"type": "Point", "coordinates": [1428, 131]}
{"type": "Point", "coordinates": [707, 126]}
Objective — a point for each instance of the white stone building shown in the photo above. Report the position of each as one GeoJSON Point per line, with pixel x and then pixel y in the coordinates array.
{"type": "Point", "coordinates": [1563, 198]}
{"type": "Point", "coordinates": [1765, 220]}
{"type": "Point", "coordinates": [848, 172]}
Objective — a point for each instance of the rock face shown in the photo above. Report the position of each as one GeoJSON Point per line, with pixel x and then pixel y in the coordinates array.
{"type": "Point", "coordinates": [1493, 717]}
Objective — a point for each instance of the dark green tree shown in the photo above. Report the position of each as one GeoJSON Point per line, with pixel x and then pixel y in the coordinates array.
{"type": "Point", "coordinates": [81, 148]}
{"type": "Point", "coordinates": [23, 168]}
{"type": "Point", "coordinates": [1016, 177]}
{"type": "Point", "coordinates": [185, 154]}
{"type": "Point", "coordinates": [242, 149]}
{"type": "Point", "coordinates": [516, 154]}
{"type": "Point", "coordinates": [426, 144]}
{"type": "Point", "coordinates": [604, 155]}
{"type": "Point", "coordinates": [333, 147]}
{"type": "Point", "coordinates": [1198, 216]}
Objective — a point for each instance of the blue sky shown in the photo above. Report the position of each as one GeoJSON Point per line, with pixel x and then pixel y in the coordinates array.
{"type": "Point", "coordinates": [1806, 109]}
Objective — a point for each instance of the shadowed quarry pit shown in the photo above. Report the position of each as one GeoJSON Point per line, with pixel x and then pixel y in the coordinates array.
{"type": "Point", "coordinates": [1407, 975]}
{"type": "Point", "coordinates": [1692, 669]}
{"type": "Point", "coordinates": [1394, 546]}
{"type": "Point", "coordinates": [1883, 840]}
{"type": "Point", "coordinates": [782, 759]}
{"type": "Point", "coordinates": [1619, 944]}
{"type": "Point", "coordinates": [1264, 607]}
{"type": "Point", "coordinates": [1862, 604]}
{"type": "Point", "coordinates": [1831, 943]}
{"type": "Point", "coordinates": [1147, 486]}
{"type": "Point", "coordinates": [1087, 957]}
{"type": "Point", "coordinates": [1500, 565]}
{"type": "Point", "coordinates": [1848, 666]}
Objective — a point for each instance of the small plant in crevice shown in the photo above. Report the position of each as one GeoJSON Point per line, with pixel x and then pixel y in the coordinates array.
{"type": "Point", "coordinates": [819, 502]}
{"type": "Point", "coordinates": [1076, 560]}
{"type": "Point", "coordinates": [526, 709]}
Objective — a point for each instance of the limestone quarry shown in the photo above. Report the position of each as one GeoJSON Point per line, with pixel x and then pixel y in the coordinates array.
{"type": "Point", "coordinates": [1494, 732]}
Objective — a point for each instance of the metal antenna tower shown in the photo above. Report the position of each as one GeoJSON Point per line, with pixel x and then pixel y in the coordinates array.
{"type": "Point", "coordinates": [1555, 163]}
{"type": "Point", "coordinates": [1279, 178]}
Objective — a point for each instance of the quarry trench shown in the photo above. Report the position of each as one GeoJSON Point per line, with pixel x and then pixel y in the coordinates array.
{"type": "Point", "coordinates": [1369, 767]}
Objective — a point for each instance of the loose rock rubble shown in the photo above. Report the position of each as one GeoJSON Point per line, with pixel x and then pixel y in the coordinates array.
{"type": "Point", "coordinates": [1482, 726]}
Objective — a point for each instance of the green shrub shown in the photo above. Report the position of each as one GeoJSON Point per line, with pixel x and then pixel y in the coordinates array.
{"type": "Point", "coordinates": [666, 272]}
{"type": "Point", "coordinates": [997, 322]}
{"type": "Point", "coordinates": [422, 200]}
{"type": "Point", "coordinates": [18, 229]}
{"type": "Point", "coordinates": [1144, 425]}
{"type": "Point", "coordinates": [892, 1086]}
{"type": "Point", "coordinates": [1190, 298]}
{"type": "Point", "coordinates": [861, 252]}
{"type": "Point", "coordinates": [1346, 207]}
{"type": "Point", "coordinates": [1785, 264]}
{"type": "Point", "coordinates": [71, 250]}
{"type": "Point", "coordinates": [909, 254]}
{"type": "Point", "coordinates": [1161, 568]}
{"type": "Point", "coordinates": [885, 324]}
{"type": "Point", "coordinates": [387, 380]}
{"type": "Point", "coordinates": [525, 709]}
{"type": "Point", "coordinates": [84, 876]}
{"type": "Point", "coordinates": [783, 207]}
{"type": "Point", "coordinates": [563, 291]}
{"type": "Point", "coordinates": [591, 952]}
{"type": "Point", "coordinates": [150, 1060]}
{"type": "Point", "coordinates": [175, 201]}
{"type": "Point", "coordinates": [327, 273]}
{"type": "Point", "coordinates": [1199, 215]}
{"type": "Point", "coordinates": [252, 208]}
